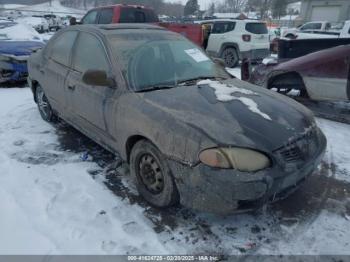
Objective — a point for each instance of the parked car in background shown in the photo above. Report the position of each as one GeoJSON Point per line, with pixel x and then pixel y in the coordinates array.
{"type": "Point", "coordinates": [322, 75]}
{"type": "Point", "coordinates": [310, 27]}
{"type": "Point", "coordinates": [54, 21]}
{"type": "Point", "coordinates": [229, 39]}
{"type": "Point", "coordinates": [234, 40]}
{"type": "Point", "coordinates": [139, 14]}
{"type": "Point", "coordinates": [38, 23]}
{"type": "Point", "coordinates": [344, 32]}
{"type": "Point", "coordinates": [17, 42]}
{"type": "Point", "coordinates": [190, 132]}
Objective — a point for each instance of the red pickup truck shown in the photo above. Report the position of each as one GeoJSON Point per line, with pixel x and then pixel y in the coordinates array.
{"type": "Point", "coordinates": [138, 14]}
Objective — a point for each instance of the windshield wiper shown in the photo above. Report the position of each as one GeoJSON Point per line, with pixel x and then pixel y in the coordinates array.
{"type": "Point", "coordinates": [155, 88]}
{"type": "Point", "coordinates": [194, 81]}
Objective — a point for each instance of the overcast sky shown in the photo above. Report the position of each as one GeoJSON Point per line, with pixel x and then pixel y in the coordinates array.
{"type": "Point", "coordinates": [203, 3]}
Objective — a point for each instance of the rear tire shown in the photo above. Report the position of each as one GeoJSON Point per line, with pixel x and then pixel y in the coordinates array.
{"type": "Point", "coordinates": [230, 57]}
{"type": "Point", "coordinates": [153, 177]}
{"type": "Point", "coordinates": [44, 106]}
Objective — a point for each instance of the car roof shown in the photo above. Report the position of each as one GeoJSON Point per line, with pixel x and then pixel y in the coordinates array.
{"type": "Point", "coordinates": [231, 20]}
{"type": "Point", "coordinates": [113, 28]}
{"type": "Point", "coordinates": [121, 5]}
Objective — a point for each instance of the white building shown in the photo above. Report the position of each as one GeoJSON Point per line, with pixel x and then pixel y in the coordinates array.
{"type": "Point", "coordinates": [325, 10]}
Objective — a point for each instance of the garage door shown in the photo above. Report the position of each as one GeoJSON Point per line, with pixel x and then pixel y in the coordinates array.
{"type": "Point", "coordinates": [325, 13]}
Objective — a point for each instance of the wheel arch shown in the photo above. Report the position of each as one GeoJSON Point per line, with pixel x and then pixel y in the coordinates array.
{"type": "Point", "coordinates": [290, 77]}
{"type": "Point", "coordinates": [229, 45]}
{"type": "Point", "coordinates": [131, 142]}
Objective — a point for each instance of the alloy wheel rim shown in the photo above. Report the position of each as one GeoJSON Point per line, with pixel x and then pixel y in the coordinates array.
{"type": "Point", "coordinates": [43, 103]}
{"type": "Point", "coordinates": [230, 58]}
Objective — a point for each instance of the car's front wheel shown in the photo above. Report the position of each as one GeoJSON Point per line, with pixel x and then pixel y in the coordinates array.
{"type": "Point", "coordinates": [44, 106]}
{"type": "Point", "coordinates": [153, 177]}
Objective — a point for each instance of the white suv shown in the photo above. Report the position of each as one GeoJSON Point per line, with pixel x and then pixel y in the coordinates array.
{"type": "Point", "coordinates": [233, 40]}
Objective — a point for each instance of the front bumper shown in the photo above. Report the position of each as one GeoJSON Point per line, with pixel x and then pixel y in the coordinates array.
{"type": "Point", "coordinates": [228, 191]}
{"type": "Point", "coordinates": [255, 54]}
{"type": "Point", "coordinates": [13, 71]}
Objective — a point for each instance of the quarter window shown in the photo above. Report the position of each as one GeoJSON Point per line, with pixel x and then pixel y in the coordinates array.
{"type": "Point", "coordinates": [61, 49]}
{"type": "Point", "coordinates": [223, 27]}
{"type": "Point", "coordinates": [89, 54]}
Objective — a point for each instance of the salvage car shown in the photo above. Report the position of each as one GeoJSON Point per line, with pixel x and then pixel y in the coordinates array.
{"type": "Point", "coordinates": [191, 133]}
{"type": "Point", "coordinates": [17, 42]}
{"type": "Point", "coordinates": [320, 76]}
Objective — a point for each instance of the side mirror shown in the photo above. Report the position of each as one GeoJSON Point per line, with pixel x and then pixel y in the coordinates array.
{"type": "Point", "coordinates": [98, 78]}
{"type": "Point", "coordinates": [219, 62]}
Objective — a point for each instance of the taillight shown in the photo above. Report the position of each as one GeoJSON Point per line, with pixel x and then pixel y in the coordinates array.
{"type": "Point", "coordinates": [246, 38]}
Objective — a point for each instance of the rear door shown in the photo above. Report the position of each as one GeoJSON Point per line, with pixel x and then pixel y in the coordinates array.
{"type": "Point", "coordinates": [87, 103]}
{"type": "Point", "coordinates": [220, 34]}
{"type": "Point", "coordinates": [329, 81]}
{"type": "Point", "coordinates": [56, 69]}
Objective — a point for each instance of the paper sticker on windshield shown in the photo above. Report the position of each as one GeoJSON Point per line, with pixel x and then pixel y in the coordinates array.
{"type": "Point", "coordinates": [197, 55]}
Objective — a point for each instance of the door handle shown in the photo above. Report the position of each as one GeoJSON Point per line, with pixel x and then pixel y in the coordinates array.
{"type": "Point", "coordinates": [72, 88]}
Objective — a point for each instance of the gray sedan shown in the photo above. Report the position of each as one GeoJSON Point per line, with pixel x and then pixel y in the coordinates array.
{"type": "Point", "coordinates": [191, 133]}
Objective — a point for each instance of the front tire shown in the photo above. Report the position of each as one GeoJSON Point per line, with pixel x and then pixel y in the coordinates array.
{"type": "Point", "coordinates": [230, 57]}
{"type": "Point", "coordinates": [44, 106]}
{"type": "Point", "coordinates": [153, 177]}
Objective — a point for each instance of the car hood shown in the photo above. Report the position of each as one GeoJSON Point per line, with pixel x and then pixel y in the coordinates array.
{"type": "Point", "coordinates": [250, 117]}
{"type": "Point", "coordinates": [19, 48]}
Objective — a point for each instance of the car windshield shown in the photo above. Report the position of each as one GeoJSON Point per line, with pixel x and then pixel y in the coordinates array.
{"type": "Point", "coordinates": [161, 60]}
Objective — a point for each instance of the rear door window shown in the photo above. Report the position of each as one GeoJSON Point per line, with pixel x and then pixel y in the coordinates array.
{"type": "Point", "coordinates": [311, 26]}
{"type": "Point", "coordinates": [106, 16]}
{"type": "Point", "coordinates": [223, 27]}
{"type": "Point", "coordinates": [90, 18]}
{"type": "Point", "coordinates": [256, 28]}
{"type": "Point", "coordinates": [137, 15]}
{"type": "Point", "coordinates": [61, 48]}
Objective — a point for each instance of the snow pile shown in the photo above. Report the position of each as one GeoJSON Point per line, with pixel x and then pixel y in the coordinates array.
{"type": "Point", "coordinates": [269, 61]}
{"type": "Point", "coordinates": [50, 204]}
{"type": "Point", "coordinates": [338, 148]}
{"type": "Point", "coordinates": [224, 93]}
{"type": "Point", "coordinates": [55, 6]}
{"type": "Point", "coordinates": [33, 21]}
{"type": "Point", "coordinates": [19, 32]}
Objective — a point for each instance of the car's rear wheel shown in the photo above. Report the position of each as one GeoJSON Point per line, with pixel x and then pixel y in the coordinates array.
{"type": "Point", "coordinates": [44, 106]}
{"type": "Point", "coordinates": [230, 57]}
{"type": "Point", "coordinates": [153, 177]}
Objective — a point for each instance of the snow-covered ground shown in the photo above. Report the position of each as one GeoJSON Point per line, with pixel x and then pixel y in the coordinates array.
{"type": "Point", "coordinates": [54, 201]}
{"type": "Point", "coordinates": [47, 7]}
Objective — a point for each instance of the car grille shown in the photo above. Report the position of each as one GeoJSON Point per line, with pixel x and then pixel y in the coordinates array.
{"type": "Point", "coordinates": [300, 148]}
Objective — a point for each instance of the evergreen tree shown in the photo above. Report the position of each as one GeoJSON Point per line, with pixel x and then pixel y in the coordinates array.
{"type": "Point", "coordinates": [191, 7]}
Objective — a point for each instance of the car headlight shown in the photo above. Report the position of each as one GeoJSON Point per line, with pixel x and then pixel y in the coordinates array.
{"type": "Point", "coordinates": [245, 160]}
